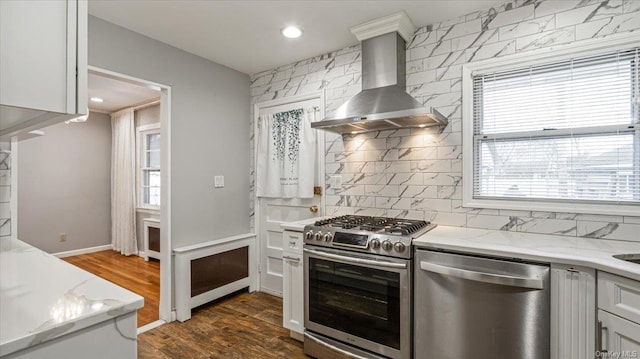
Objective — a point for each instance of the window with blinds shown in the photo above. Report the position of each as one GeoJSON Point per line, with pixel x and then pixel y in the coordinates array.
{"type": "Point", "coordinates": [564, 131]}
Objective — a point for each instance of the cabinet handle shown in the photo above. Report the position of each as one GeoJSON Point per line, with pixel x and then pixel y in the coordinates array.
{"type": "Point", "coordinates": [294, 259]}
{"type": "Point", "coordinates": [340, 351]}
{"type": "Point", "coordinates": [500, 279]}
{"type": "Point", "coordinates": [292, 243]}
{"type": "Point", "coordinates": [600, 340]}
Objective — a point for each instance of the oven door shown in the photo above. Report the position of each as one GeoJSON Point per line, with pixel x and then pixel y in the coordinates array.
{"type": "Point", "coordinates": [363, 300]}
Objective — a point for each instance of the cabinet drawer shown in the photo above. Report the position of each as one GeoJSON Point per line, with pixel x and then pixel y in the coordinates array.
{"type": "Point", "coordinates": [292, 242]}
{"type": "Point", "coordinates": [619, 295]}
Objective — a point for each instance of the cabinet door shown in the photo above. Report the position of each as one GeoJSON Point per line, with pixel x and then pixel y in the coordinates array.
{"type": "Point", "coordinates": [293, 292]}
{"type": "Point", "coordinates": [619, 295]}
{"type": "Point", "coordinates": [37, 54]}
{"type": "Point", "coordinates": [619, 337]}
{"type": "Point", "coordinates": [43, 63]}
{"type": "Point", "coordinates": [573, 311]}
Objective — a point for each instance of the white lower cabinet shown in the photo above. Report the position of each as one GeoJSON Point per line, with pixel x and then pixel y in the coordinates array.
{"type": "Point", "coordinates": [618, 317]}
{"type": "Point", "coordinates": [620, 338]}
{"type": "Point", "coordinates": [292, 282]}
{"type": "Point", "coordinates": [573, 310]}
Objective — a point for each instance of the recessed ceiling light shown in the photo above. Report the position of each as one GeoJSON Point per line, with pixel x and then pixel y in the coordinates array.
{"type": "Point", "coordinates": [422, 126]}
{"type": "Point", "coordinates": [291, 32]}
{"type": "Point", "coordinates": [96, 99]}
{"type": "Point", "coordinates": [354, 132]}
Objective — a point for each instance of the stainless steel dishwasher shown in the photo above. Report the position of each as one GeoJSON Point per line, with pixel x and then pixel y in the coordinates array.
{"type": "Point", "coordinates": [481, 308]}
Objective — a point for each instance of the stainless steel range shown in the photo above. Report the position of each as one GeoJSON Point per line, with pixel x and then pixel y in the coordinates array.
{"type": "Point", "coordinates": [376, 235]}
{"type": "Point", "coordinates": [358, 286]}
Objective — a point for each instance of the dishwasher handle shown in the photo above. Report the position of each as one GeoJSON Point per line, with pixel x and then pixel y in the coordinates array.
{"type": "Point", "coordinates": [501, 279]}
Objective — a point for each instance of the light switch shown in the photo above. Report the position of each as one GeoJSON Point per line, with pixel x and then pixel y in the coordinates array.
{"type": "Point", "coordinates": [218, 181]}
{"type": "Point", "coordinates": [335, 182]}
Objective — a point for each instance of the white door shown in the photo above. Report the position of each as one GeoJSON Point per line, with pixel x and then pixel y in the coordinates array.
{"type": "Point", "coordinates": [272, 212]}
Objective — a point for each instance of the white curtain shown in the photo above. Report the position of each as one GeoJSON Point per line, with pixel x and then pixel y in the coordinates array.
{"type": "Point", "coordinates": [286, 155]}
{"type": "Point", "coordinates": [123, 184]}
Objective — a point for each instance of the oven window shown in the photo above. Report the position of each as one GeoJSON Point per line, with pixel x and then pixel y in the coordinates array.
{"type": "Point", "coordinates": [357, 300]}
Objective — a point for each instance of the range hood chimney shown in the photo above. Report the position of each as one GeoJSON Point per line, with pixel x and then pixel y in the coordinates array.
{"type": "Point", "coordinates": [383, 103]}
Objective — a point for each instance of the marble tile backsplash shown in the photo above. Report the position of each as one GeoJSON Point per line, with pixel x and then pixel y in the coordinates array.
{"type": "Point", "coordinates": [415, 173]}
{"type": "Point", "coordinates": [5, 189]}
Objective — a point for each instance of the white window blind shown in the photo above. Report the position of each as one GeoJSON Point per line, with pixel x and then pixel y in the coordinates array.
{"type": "Point", "coordinates": [562, 131]}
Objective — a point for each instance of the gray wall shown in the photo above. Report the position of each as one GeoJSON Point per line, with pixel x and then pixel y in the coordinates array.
{"type": "Point", "coordinates": [209, 129]}
{"type": "Point", "coordinates": [147, 116]}
{"type": "Point", "coordinates": [64, 186]}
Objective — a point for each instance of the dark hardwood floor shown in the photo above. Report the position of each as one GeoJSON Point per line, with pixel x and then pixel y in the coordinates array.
{"type": "Point", "coordinates": [132, 273]}
{"type": "Point", "coordinates": [239, 326]}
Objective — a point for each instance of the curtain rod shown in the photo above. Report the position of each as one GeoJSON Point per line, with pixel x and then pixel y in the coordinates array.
{"type": "Point", "coordinates": [134, 108]}
{"type": "Point", "coordinates": [144, 105]}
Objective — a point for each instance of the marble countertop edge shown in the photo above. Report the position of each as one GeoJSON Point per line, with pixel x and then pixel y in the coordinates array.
{"type": "Point", "coordinates": [577, 251]}
{"type": "Point", "coordinates": [61, 329]}
{"type": "Point", "coordinates": [298, 226]}
{"type": "Point", "coordinates": [43, 297]}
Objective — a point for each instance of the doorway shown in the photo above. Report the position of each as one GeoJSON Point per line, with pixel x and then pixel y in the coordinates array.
{"type": "Point", "coordinates": [272, 212]}
{"type": "Point", "coordinates": [80, 163]}
{"type": "Point", "coordinates": [165, 258]}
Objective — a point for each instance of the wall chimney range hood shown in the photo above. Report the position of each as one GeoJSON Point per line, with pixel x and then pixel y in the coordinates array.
{"type": "Point", "coordinates": [383, 103]}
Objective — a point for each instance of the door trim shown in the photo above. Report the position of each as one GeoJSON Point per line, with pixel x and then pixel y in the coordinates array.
{"type": "Point", "coordinates": [257, 107]}
{"type": "Point", "coordinates": [166, 269]}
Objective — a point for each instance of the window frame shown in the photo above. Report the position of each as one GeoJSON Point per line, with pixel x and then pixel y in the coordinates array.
{"type": "Point", "coordinates": [141, 149]}
{"type": "Point", "coordinates": [616, 42]}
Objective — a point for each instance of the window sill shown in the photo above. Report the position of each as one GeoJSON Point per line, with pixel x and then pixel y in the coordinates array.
{"type": "Point", "coordinates": [148, 210]}
{"type": "Point", "coordinates": [586, 208]}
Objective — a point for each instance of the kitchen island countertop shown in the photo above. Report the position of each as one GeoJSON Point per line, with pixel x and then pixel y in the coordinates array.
{"type": "Point", "coordinates": [43, 297]}
{"type": "Point", "coordinates": [579, 251]}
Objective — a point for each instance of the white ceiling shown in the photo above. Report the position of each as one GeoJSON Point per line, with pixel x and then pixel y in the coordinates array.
{"type": "Point", "coordinates": [117, 94]}
{"type": "Point", "coordinates": [245, 35]}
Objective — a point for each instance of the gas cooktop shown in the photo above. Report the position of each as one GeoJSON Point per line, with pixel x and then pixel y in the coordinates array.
{"type": "Point", "coordinates": [374, 224]}
{"type": "Point", "coordinates": [377, 235]}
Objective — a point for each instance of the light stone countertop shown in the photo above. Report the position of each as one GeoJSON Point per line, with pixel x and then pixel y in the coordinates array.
{"type": "Point", "coordinates": [43, 297]}
{"type": "Point", "coordinates": [578, 251]}
{"type": "Point", "coordinates": [299, 226]}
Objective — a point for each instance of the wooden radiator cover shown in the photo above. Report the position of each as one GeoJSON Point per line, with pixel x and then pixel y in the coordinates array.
{"type": "Point", "coordinates": [217, 270]}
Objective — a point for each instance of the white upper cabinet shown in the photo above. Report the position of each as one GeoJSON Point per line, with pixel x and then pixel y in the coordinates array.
{"type": "Point", "coordinates": [43, 63]}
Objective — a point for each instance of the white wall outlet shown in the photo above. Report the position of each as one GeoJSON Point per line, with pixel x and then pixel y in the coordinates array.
{"type": "Point", "coordinates": [218, 181]}
{"type": "Point", "coordinates": [63, 237]}
{"type": "Point", "coordinates": [335, 182]}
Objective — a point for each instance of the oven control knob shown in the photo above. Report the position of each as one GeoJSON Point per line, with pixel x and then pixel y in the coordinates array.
{"type": "Point", "coordinates": [375, 243]}
{"type": "Point", "coordinates": [308, 235]}
{"type": "Point", "coordinates": [399, 247]}
{"type": "Point", "coordinates": [318, 236]}
{"type": "Point", "coordinates": [327, 237]}
{"type": "Point", "coordinates": [387, 245]}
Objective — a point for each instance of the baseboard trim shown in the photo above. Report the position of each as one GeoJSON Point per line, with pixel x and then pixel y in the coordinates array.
{"type": "Point", "coordinates": [150, 326]}
{"type": "Point", "coordinates": [76, 252]}
{"type": "Point", "coordinates": [271, 292]}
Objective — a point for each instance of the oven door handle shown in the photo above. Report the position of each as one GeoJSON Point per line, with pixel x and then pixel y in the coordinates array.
{"type": "Point", "coordinates": [356, 260]}
{"type": "Point", "coordinates": [500, 279]}
{"type": "Point", "coordinates": [333, 347]}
